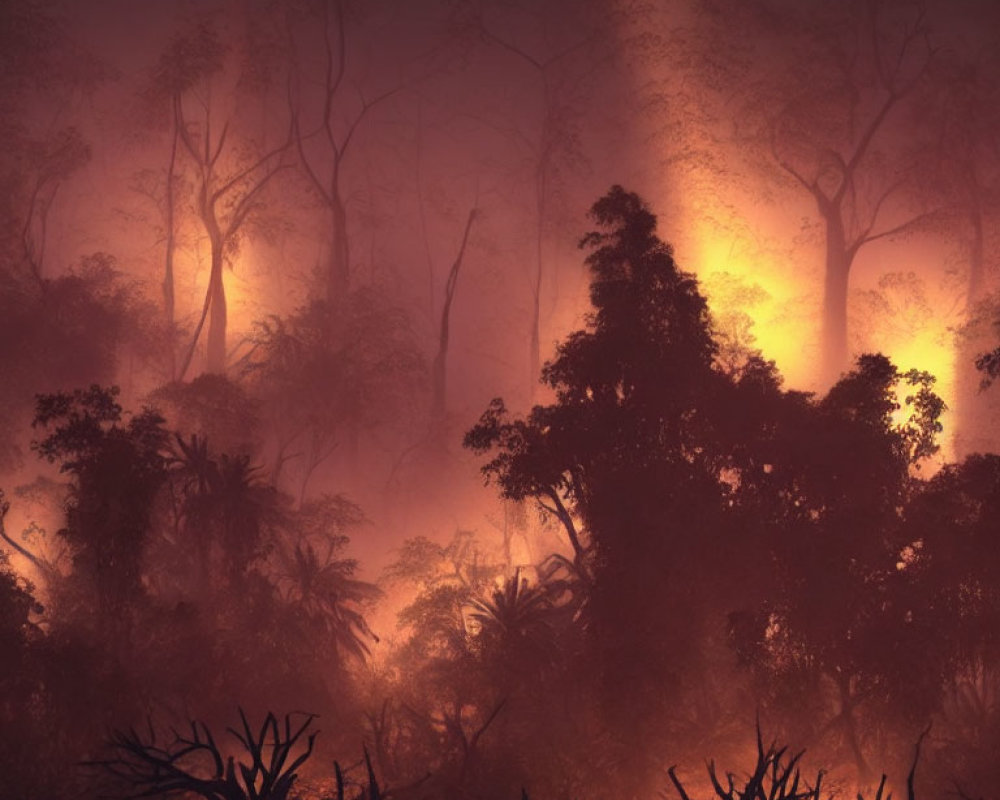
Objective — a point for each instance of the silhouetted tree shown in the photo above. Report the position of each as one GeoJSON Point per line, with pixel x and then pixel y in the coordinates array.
{"type": "Point", "coordinates": [950, 563]}
{"type": "Point", "coordinates": [19, 613]}
{"type": "Point", "coordinates": [673, 475]}
{"type": "Point", "coordinates": [515, 611]}
{"type": "Point", "coordinates": [229, 514]}
{"type": "Point", "coordinates": [839, 474]}
{"type": "Point", "coordinates": [627, 460]}
{"type": "Point", "coordinates": [66, 331]}
{"type": "Point", "coordinates": [116, 469]}
{"type": "Point", "coordinates": [22, 683]}
{"type": "Point", "coordinates": [318, 584]}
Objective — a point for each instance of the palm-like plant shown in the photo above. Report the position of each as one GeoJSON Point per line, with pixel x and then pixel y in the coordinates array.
{"type": "Point", "coordinates": [322, 598]}
{"type": "Point", "coordinates": [517, 617]}
{"type": "Point", "coordinates": [224, 500]}
{"type": "Point", "coordinates": [322, 592]}
{"type": "Point", "coordinates": [246, 509]}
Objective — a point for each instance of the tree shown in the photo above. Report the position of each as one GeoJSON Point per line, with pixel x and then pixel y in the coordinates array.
{"type": "Point", "coordinates": [950, 558]}
{"type": "Point", "coordinates": [518, 629]}
{"type": "Point", "coordinates": [229, 513]}
{"type": "Point", "coordinates": [963, 168]}
{"type": "Point", "coordinates": [439, 370]}
{"type": "Point", "coordinates": [190, 58]}
{"type": "Point", "coordinates": [553, 143]}
{"type": "Point", "coordinates": [25, 740]}
{"type": "Point", "coordinates": [484, 688]}
{"type": "Point", "coordinates": [52, 160]}
{"type": "Point", "coordinates": [627, 460]}
{"type": "Point", "coordinates": [827, 91]}
{"type": "Point", "coordinates": [677, 478]}
{"type": "Point", "coordinates": [17, 601]}
{"type": "Point", "coordinates": [269, 596]}
{"type": "Point", "coordinates": [840, 473]}
{"type": "Point", "coordinates": [324, 151]}
{"type": "Point", "coordinates": [318, 584]}
{"type": "Point", "coordinates": [229, 176]}
{"type": "Point", "coordinates": [70, 330]}
{"type": "Point", "coordinates": [117, 470]}
{"type": "Point", "coordinates": [442, 688]}
{"type": "Point", "coordinates": [647, 342]}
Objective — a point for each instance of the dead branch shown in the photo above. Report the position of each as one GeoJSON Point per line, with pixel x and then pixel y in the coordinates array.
{"type": "Point", "coordinates": [192, 762]}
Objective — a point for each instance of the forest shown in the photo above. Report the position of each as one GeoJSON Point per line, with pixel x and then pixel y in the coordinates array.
{"type": "Point", "coordinates": [483, 399]}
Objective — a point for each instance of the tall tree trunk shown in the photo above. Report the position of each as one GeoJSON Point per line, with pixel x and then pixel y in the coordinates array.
{"type": "Point", "coordinates": [847, 705]}
{"type": "Point", "coordinates": [835, 351]}
{"type": "Point", "coordinates": [338, 298]}
{"type": "Point", "coordinates": [217, 320]}
{"type": "Point", "coordinates": [338, 279]}
{"type": "Point", "coordinates": [535, 348]}
{"type": "Point", "coordinates": [168, 264]}
{"type": "Point", "coordinates": [439, 372]}
{"type": "Point", "coordinates": [423, 214]}
{"type": "Point", "coordinates": [214, 308]}
{"type": "Point", "coordinates": [969, 404]}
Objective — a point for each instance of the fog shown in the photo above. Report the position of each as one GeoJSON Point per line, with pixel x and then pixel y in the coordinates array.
{"type": "Point", "coordinates": [543, 395]}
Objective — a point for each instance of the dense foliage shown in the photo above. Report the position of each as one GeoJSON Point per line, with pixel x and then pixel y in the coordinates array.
{"type": "Point", "coordinates": [726, 546]}
{"type": "Point", "coordinates": [263, 264]}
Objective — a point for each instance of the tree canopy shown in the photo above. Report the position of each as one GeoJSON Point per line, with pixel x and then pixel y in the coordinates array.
{"type": "Point", "coordinates": [692, 494]}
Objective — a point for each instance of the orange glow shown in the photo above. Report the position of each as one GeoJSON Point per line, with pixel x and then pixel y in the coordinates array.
{"type": "Point", "coordinates": [759, 263]}
{"type": "Point", "coordinates": [753, 298]}
{"type": "Point", "coordinates": [735, 283]}
{"type": "Point", "coordinates": [249, 297]}
{"type": "Point", "coordinates": [243, 295]}
{"type": "Point", "coordinates": [929, 349]}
